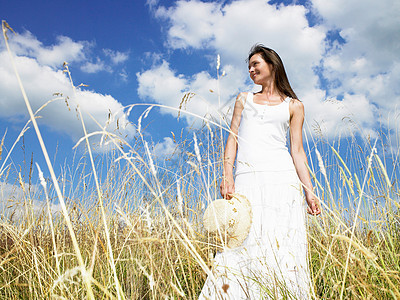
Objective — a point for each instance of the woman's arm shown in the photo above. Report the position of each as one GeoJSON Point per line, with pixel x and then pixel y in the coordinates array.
{"type": "Point", "coordinates": [227, 186]}
{"type": "Point", "coordinates": [299, 156]}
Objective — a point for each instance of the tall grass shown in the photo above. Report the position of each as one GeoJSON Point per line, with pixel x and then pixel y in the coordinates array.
{"type": "Point", "coordinates": [129, 226]}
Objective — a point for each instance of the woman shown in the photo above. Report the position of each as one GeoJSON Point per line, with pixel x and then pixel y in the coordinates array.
{"type": "Point", "coordinates": [272, 262]}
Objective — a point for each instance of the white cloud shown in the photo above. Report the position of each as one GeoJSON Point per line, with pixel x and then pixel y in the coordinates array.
{"type": "Point", "coordinates": [12, 203]}
{"type": "Point", "coordinates": [151, 3]}
{"type": "Point", "coordinates": [229, 31]}
{"type": "Point", "coordinates": [336, 118]}
{"type": "Point", "coordinates": [10, 192]}
{"type": "Point", "coordinates": [162, 84]}
{"type": "Point", "coordinates": [364, 71]}
{"type": "Point", "coordinates": [166, 149]}
{"type": "Point", "coordinates": [367, 63]}
{"type": "Point", "coordinates": [368, 26]}
{"type": "Point", "coordinates": [192, 23]}
{"type": "Point", "coordinates": [154, 58]}
{"type": "Point", "coordinates": [165, 86]}
{"type": "Point", "coordinates": [371, 30]}
{"type": "Point", "coordinates": [41, 81]}
{"type": "Point", "coordinates": [99, 65]}
{"type": "Point", "coordinates": [116, 56]}
{"type": "Point", "coordinates": [65, 49]}
{"type": "Point", "coordinates": [232, 29]}
{"type": "Point", "coordinates": [123, 75]}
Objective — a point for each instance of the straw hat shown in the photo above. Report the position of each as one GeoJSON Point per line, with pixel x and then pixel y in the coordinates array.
{"type": "Point", "coordinates": [229, 220]}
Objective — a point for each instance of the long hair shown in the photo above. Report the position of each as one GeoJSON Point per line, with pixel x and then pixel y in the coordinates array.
{"type": "Point", "coordinates": [271, 57]}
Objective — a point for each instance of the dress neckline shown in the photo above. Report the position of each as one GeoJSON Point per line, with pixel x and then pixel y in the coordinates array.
{"type": "Point", "coordinates": [252, 100]}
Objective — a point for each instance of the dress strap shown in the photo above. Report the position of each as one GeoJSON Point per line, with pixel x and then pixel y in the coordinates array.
{"type": "Point", "coordinates": [288, 99]}
{"type": "Point", "coordinates": [249, 98]}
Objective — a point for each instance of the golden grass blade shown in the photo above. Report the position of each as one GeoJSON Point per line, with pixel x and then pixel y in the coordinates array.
{"type": "Point", "coordinates": [341, 160]}
{"type": "Point", "coordinates": [383, 170]}
{"type": "Point", "coordinates": [356, 216]}
{"type": "Point", "coordinates": [50, 167]}
{"type": "Point", "coordinates": [120, 293]}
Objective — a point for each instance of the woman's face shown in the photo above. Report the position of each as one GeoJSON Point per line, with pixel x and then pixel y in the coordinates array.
{"type": "Point", "coordinates": [260, 71]}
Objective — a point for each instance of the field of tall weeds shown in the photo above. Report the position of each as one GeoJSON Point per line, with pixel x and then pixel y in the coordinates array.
{"type": "Point", "coordinates": [128, 225]}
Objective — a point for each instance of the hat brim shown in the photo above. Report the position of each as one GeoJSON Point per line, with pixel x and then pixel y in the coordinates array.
{"type": "Point", "coordinates": [229, 220]}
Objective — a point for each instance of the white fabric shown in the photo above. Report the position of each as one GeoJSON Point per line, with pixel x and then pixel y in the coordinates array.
{"type": "Point", "coordinates": [272, 261]}
{"type": "Point", "coordinates": [262, 137]}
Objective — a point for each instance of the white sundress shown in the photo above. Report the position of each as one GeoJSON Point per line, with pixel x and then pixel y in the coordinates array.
{"type": "Point", "coordinates": [272, 261]}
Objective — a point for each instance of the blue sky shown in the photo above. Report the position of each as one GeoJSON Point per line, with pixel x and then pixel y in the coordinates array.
{"type": "Point", "coordinates": [341, 57]}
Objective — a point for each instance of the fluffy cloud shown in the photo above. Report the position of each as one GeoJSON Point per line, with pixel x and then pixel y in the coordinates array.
{"type": "Point", "coordinates": [12, 204]}
{"type": "Point", "coordinates": [366, 65]}
{"type": "Point", "coordinates": [116, 56]}
{"type": "Point", "coordinates": [95, 67]}
{"type": "Point", "coordinates": [350, 77]}
{"type": "Point", "coordinates": [41, 80]}
{"type": "Point", "coordinates": [162, 84]}
{"type": "Point", "coordinates": [192, 23]}
{"type": "Point", "coordinates": [65, 49]}
{"type": "Point", "coordinates": [354, 113]}
{"type": "Point", "coordinates": [227, 30]}
{"type": "Point", "coordinates": [371, 30]}
{"type": "Point", "coordinates": [230, 32]}
{"type": "Point", "coordinates": [197, 94]}
{"type": "Point", "coordinates": [53, 56]}
{"type": "Point", "coordinates": [166, 149]}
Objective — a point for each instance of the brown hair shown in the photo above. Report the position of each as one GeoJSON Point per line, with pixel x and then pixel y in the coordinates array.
{"type": "Point", "coordinates": [272, 58]}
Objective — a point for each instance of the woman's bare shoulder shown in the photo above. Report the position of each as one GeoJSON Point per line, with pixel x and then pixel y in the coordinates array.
{"type": "Point", "coordinates": [296, 106]}
{"type": "Point", "coordinates": [241, 98]}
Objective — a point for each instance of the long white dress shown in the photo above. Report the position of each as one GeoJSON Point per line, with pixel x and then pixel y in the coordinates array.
{"type": "Point", "coordinates": [272, 261]}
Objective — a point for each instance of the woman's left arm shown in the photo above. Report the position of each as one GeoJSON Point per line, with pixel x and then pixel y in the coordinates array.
{"type": "Point", "coordinates": [299, 157]}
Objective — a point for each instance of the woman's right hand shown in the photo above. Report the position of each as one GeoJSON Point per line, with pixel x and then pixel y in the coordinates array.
{"type": "Point", "coordinates": [227, 187]}
{"type": "Point", "coordinates": [314, 207]}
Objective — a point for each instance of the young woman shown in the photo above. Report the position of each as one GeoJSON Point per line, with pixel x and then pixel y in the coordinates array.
{"type": "Point", "coordinates": [272, 262]}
